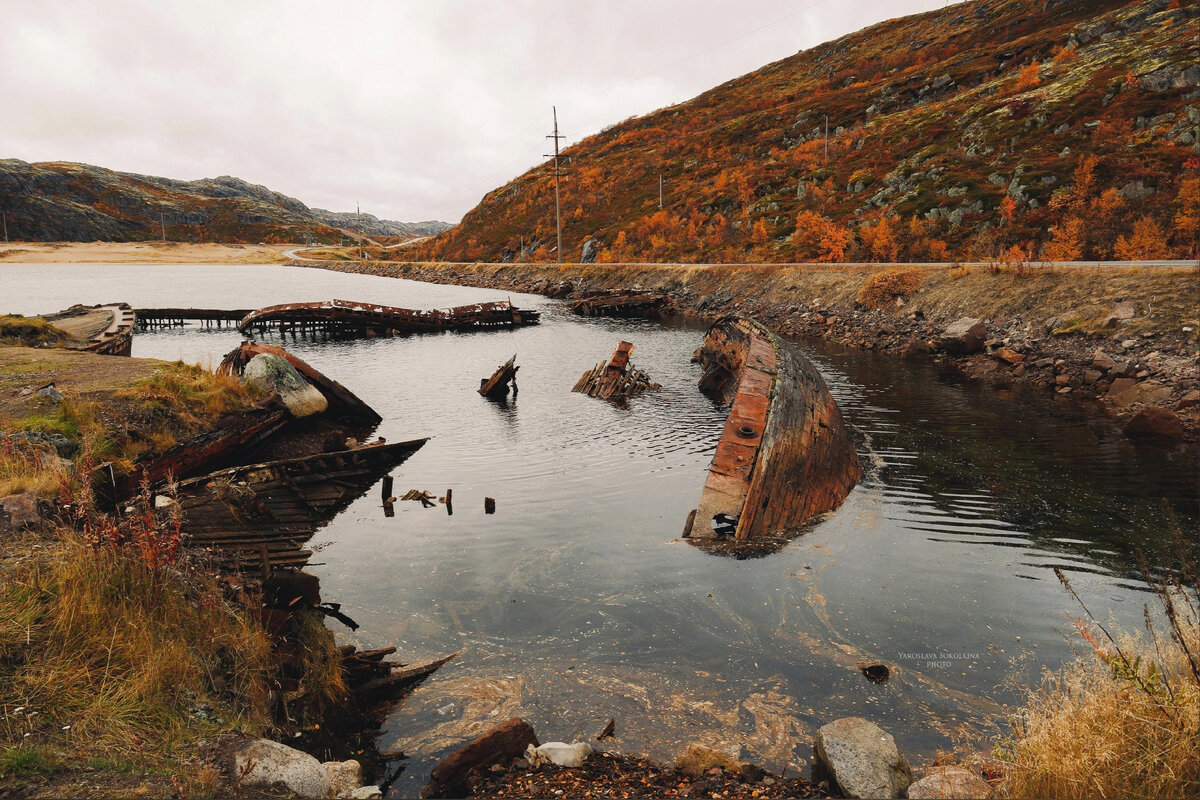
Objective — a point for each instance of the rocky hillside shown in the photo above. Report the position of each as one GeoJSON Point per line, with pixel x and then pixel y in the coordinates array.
{"type": "Point", "coordinates": [1065, 129]}
{"type": "Point", "coordinates": [370, 225]}
{"type": "Point", "coordinates": [60, 201]}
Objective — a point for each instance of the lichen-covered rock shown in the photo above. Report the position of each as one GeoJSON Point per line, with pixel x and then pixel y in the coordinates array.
{"type": "Point", "coordinates": [274, 374]}
{"type": "Point", "coordinates": [264, 764]}
{"type": "Point", "coordinates": [19, 511]}
{"type": "Point", "coordinates": [949, 782]}
{"type": "Point", "coordinates": [861, 759]}
{"type": "Point", "coordinates": [344, 777]}
{"type": "Point", "coordinates": [699, 759]}
{"type": "Point", "coordinates": [964, 335]}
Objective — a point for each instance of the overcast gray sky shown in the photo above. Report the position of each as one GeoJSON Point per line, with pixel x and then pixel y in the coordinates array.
{"type": "Point", "coordinates": [413, 109]}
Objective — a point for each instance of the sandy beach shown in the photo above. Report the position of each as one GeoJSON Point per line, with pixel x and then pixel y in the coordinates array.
{"type": "Point", "coordinates": [142, 252]}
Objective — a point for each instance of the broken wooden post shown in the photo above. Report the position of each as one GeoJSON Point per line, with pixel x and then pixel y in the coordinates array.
{"type": "Point", "coordinates": [489, 505]}
{"type": "Point", "coordinates": [497, 385]}
{"type": "Point", "coordinates": [387, 488]}
{"type": "Point", "coordinates": [449, 502]}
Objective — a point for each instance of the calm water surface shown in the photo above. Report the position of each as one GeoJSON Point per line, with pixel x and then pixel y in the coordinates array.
{"type": "Point", "coordinates": [574, 603]}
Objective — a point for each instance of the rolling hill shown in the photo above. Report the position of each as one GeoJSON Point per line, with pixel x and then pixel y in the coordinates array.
{"type": "Point", "coordinates": [1066, 129]}
{"type": "Point", "coordinates": [62, 201]}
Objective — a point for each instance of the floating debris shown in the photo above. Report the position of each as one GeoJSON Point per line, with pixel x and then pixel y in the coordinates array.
{"type": "Point", "coordinates": [616, 379]}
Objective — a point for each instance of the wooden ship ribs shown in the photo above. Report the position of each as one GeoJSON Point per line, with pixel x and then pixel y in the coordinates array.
{"type": "Point", "coordinates": [622, 303]}
{"type": "Point", "coordinates": [265, 512]}
{"type": "Point", "coordinates": [350, 319]}
{"type": "Point", "coordinates": [785, 454]}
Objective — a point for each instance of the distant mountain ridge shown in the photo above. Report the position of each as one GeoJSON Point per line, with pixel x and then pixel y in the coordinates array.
{"type": "Point", "coordinates": [64, 201]}
{"type": "Point", "coordinates": [370, 225]}
{"type": "Point", "coordinates": [989, 129]}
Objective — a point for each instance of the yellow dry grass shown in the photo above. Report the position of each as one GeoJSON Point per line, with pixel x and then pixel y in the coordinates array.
{"type": "Point", "coordinates": [1121, 721]}
{"type": "Point", "coordinates": [108, 652]}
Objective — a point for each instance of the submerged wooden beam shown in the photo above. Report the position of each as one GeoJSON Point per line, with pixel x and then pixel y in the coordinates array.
{"type": "Point", "coordinates": [785, 454]}
{"type": "Point", "coordinates": [497, 385]}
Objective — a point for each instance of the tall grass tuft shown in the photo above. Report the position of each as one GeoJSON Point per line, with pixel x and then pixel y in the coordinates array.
{"type": "Point", "coordinates": [125, 654]}
{"type": "Point", "coordinates": [1124, 719]}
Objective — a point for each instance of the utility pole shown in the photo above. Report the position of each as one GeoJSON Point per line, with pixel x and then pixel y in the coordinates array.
{"type": "Point", "coordinates": [660, 191]}
{"type": "Point", "coordinates": [557, 203]}
{"type": "Point", "coordinates": [5, 215]}
{"type": "Point", "coordinates": [358, 214]}
{"type": "Point", "coordinates": [826, 138]}
{"type": "Point", "coordinates": [162, 224]}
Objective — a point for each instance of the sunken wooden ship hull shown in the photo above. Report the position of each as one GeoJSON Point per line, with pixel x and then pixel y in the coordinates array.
{"type": "Point", "coordinates": [343, 402]}
{"type": "Point", "coordinates": [785, 455]}
{"type": "Point", "coordinates": [350, 319]}
{"type": "Point", "coordinates": [267, 511]}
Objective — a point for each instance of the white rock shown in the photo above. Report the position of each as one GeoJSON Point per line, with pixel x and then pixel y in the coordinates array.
{"type": "Point", "coordinates": [274, 374]}
{"type": "Point", "coordinates": [366, 793]}
{"type": "Point", "coordinates": [262, 763]}
{"type": "Point", "coordinates": [561, 753]}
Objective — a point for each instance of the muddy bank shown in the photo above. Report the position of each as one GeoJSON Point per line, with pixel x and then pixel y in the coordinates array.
{"type": "Point", "coordinates": [1042, 326]}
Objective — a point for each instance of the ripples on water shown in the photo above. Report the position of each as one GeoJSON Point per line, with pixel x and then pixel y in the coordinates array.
{"type": "Point", "coordinates": [572, 603]}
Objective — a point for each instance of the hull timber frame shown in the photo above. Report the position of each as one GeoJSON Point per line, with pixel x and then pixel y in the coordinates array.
{"type": "Point", "coordinates": [349, 319]}
{"type": "Point", "coordinates": [262, 514]}
{"type": "Point", "coordinates": [785, 455]}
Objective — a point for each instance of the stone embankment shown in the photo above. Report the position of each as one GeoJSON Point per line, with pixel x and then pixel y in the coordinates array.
{"type": "Point", "coordinates": [1125, 337]}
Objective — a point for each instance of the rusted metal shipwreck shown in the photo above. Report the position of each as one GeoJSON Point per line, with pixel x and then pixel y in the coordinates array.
{"type": "Point", "coordinates": [346, 319]}
{"type": "Point", "coordinates": [615, 379]}
{"type": "Point", "coordinates": [784, 456]}
{"type": "Point", "coordinates": [497, 385]}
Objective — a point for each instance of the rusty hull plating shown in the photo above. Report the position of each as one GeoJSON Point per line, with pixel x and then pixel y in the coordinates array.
{"type": "Point", "coordinates": [785, 455]}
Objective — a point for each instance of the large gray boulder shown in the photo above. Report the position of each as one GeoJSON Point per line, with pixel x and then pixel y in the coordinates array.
{"type": "Point", "coordinates": [274, 374]}
{"type": "Point", "coordinates": [263, 764]}
{"type": "Point", "coordinates": [860, 759]}
{"type": "Point", "coordinates": [964, 335]}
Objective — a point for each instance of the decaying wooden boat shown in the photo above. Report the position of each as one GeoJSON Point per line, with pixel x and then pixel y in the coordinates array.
{"type": "Point", "coordinates": [267, 511]}
{"type": "Point", "coordinates": [615, 379]}
{"type": "Point", "coordinates": [623, 303]}
{"type": "Point", "coordinates": [785, 454]}
{"type": "Point", "coordinates": [349, 319]}
{"type": "Point", "coordinates": [342, 401]}
{"type": "Point", "coordinates": [497, 385]}
{"type": "Point", "coordinates": [106, 329]}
